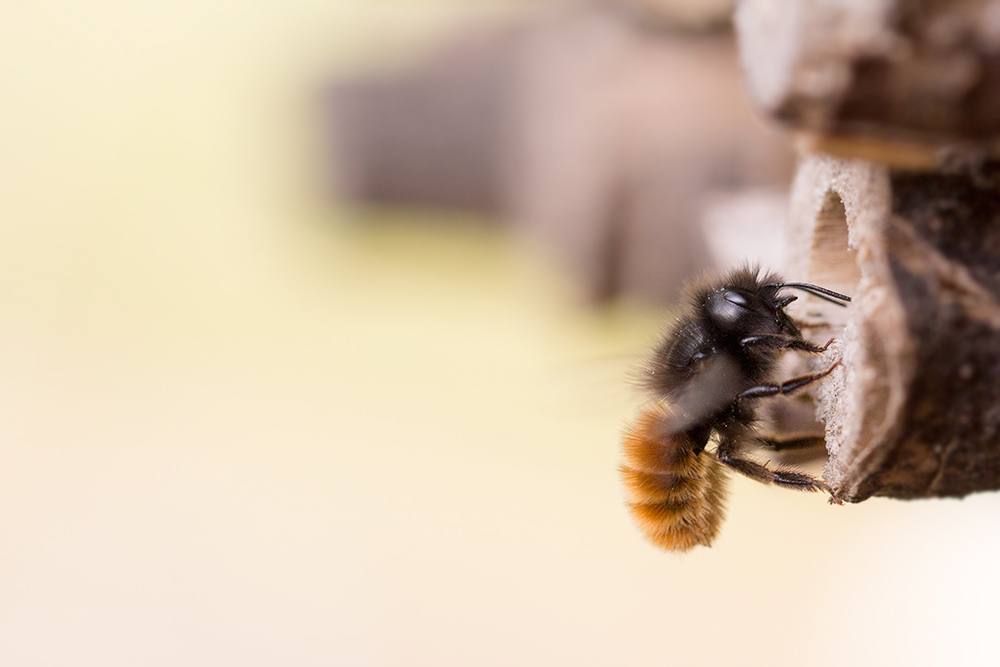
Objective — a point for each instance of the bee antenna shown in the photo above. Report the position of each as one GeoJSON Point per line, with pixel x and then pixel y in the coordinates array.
{"type": "Point", "coordinates": [818, 292]}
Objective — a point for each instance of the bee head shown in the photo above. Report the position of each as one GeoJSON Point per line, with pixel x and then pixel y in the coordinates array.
{"type": "Point", "coordinates": [739, 312]}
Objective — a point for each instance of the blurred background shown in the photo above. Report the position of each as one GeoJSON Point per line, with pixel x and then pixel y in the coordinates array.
{"type": "Point", "coordinates": [318, 319]}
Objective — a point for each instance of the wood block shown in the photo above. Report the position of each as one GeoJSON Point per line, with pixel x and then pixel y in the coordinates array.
{"type": "Point", "coordinates": [892, 69]}
{"type": "Point", "coordinates": [913, 409]}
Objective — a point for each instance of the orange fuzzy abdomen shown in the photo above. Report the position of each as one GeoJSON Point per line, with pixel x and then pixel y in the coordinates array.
{"type": "Point", "coordinates": [675, 496]}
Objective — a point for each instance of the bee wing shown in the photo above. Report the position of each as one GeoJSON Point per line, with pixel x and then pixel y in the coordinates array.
{"type": "Point", "coordinates": [715, 385]}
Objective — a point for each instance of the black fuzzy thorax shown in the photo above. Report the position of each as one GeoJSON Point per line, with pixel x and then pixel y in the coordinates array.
{"type": "Point", "coordinates": [697, 337]}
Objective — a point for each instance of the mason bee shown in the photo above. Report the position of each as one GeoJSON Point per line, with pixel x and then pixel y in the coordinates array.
{"type": "Point", "coordinates": [705, 377]}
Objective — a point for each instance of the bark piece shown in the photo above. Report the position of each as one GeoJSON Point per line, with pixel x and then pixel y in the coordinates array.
{"type": "Point", "coordinates": [913, 409]}
{"type": "Point", "coordinates": [924, 70]}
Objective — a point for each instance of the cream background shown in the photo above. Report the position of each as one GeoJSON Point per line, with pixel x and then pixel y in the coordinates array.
{"type": "Point", "coordinates": [241, 425]}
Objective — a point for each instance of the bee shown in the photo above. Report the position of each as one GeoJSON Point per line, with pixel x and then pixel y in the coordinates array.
{"type": "Point", "coordinates": [705, 376]}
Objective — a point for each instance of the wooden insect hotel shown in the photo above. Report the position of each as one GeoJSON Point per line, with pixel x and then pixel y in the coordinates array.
{"type": "Point", "coordinates": [896, 201]}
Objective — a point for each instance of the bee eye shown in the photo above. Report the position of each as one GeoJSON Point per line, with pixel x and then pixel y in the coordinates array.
{"type": "Point", "coordinates": [727, 308]}
{"type": "Point", "coordinates": [736, 299]}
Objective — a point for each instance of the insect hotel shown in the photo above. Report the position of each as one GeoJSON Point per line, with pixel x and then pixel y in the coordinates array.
{"type": "Point", "coordinates": [896, 201]}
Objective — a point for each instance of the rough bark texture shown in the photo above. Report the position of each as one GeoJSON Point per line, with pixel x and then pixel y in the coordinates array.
{"type": "Point", "coordinates": [893, 69]}
{"type": "Point", "coordinates": [913, 409]}
{"type": "Point", "coordinates": [944, 247]}
{"type": "Point", "coordinates": [906, 219]}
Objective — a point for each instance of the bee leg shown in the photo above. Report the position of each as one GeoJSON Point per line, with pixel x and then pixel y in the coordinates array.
{"type": "Point", "coordinates": [784, 443]}
{"type": "Point", "coordinates": [786, 387]}
{"type": "Point", "coordinates": [806, 346]}
{"type": "Point", "coordinates": [728, 454]}
{"type": "Point", "coordinates": [782, 341]}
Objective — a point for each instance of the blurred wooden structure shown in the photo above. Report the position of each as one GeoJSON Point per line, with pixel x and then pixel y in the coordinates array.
{"type": "Point", "coordinates": [897, 202]}
{"type": "Point", "coordinates": [597, 131]}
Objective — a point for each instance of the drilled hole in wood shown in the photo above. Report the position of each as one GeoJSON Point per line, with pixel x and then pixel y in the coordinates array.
{"type": "Point", "coordinates": [832, 264]}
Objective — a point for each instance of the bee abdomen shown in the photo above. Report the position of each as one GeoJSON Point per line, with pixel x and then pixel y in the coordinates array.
{"type": "Point", "coordinates": [674, 495]}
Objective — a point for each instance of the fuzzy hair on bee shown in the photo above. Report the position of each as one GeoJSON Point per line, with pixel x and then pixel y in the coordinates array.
{"type": "Point", "coordinates": [704, 379]}
{"type": "Point", "coordinates": [676, 497]}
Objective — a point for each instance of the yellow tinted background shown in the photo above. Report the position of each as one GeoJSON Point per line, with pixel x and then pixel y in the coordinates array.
{"type": "Point", "coordinates": [240, 424]}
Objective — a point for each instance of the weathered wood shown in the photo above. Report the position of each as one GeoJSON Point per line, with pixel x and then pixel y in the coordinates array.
{"type": "Point", "coordinates": [915, 70]}
{"type": "Point", "coordinates": [913, 409]}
